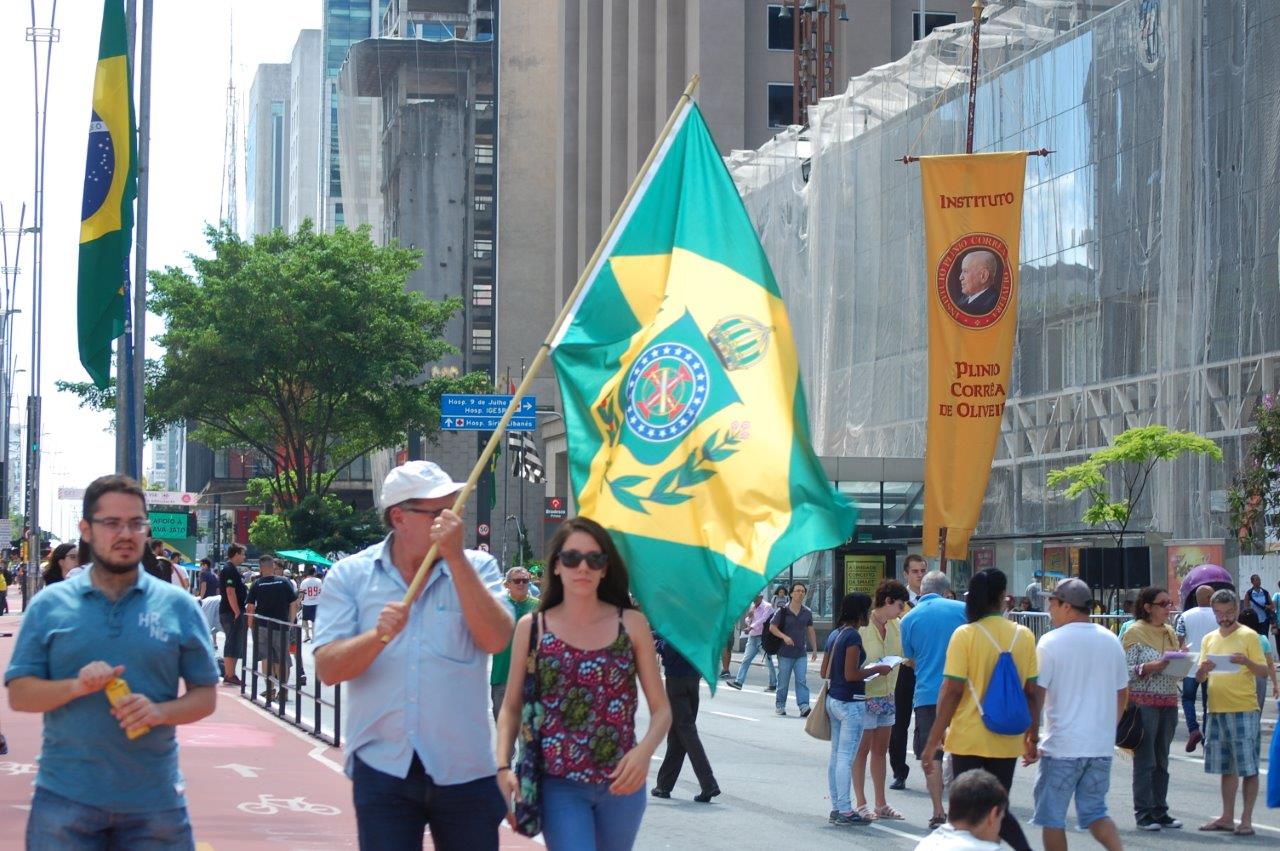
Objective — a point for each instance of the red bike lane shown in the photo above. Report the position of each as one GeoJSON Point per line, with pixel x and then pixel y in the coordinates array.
{"type": "Point", "coordinates": [252, 781]}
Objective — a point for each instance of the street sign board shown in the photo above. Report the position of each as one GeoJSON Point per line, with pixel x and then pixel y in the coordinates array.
{"type": "Point", "coordinates": [478, 423]}
{"type": "Point", "coordinates": [485, 405]}
{"type": "Point", "coordinates": [556, 508]}
{"type": "Point", "coordinates": [167, 525]}
{"type": "Point", "coordinates": [153, 497]}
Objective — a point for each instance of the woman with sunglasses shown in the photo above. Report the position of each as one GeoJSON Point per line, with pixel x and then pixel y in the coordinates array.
{"type": "Point", "coordinates": [1156, 695]}
{"type": "Point", "coordinates": [591, 646]}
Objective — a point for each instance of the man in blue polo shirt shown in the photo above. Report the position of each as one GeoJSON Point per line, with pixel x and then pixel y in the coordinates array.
{"type": "Point", "coordinates": [416, 704]}
{"type": "Point", "coordinates": [926, 632]}
{"type": "Point", "coordinates": [96, 787]}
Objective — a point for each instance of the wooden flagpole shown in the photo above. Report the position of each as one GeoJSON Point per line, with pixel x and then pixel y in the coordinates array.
{"type": "Point", "coordinates": [544, 350]}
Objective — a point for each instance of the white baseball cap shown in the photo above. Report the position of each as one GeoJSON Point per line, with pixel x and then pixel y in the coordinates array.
{"type": "Point", "coordinates": [416, 480]}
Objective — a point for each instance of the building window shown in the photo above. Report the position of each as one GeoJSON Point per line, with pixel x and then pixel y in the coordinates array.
{"type": "Point", "coordinates": [932, 20]}
{"type": "Point", "coordinates": [481, 341]}
{"type": "Point", "coordinates": [781, 113]}
{"type": "Point", "coordinates": [782, 32]}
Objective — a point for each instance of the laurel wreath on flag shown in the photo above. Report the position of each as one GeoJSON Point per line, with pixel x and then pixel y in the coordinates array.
{"type": "Point", "coordinates": [672, 486]}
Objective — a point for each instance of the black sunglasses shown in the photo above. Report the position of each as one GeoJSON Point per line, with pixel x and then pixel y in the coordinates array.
{"type": "Point", "coordinates": [573, 558]}
{"type": "Point", "coordinates": [518, 581]}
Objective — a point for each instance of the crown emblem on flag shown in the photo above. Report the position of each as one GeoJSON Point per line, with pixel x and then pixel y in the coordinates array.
{"type": "Point", "coordinates": [739, 341]}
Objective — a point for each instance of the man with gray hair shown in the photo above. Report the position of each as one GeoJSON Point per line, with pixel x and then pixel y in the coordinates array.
{"type": "Point", "coordinates": [520, 602]}
{"type": "Point", "coordinates": [926, 632]}
{"type": "Point", "coordinates": [1232, 731]}
{"type": "Point", "coordinates": [979, 282]}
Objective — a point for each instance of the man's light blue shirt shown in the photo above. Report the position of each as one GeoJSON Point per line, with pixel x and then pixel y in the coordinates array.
{"type": "Point", "coordinates": [157, 632]}
{"type": "Point", "coordinates": [926, 632]}
{"type": "Point", "coordinates": [427, 692]}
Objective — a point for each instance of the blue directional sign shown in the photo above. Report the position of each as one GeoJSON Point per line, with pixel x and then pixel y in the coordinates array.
{"type": "Point", "coordinates": [484, 405]}
{"type": "Point", "coordinates": [467, 423]}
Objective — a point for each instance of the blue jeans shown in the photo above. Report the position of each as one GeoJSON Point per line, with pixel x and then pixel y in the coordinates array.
{"type": "Point", "coordinates": [846, 734]}
{"type": "Point", "coordinates": [753, 648]}
{"type": "Point", "coordinates": [1189, 686]}
{"type": "Point", "coordinates": [1087, 779]}
{"type": "Point", "coordinates": [392, 813]}
{"type": "Point", "coordinates": [786, 666]}
{"type": "Point", "coordinates": [61, 824]}
{"type": "Point", "coordinates": [586, 817]}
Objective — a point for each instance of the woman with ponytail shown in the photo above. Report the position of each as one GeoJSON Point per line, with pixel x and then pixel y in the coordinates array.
{"type": "Point", "coordinates": [972, 657]}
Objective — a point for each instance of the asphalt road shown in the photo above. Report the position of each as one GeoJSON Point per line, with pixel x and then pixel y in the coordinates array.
{"type": "Point", "coordinates": [774, 782]}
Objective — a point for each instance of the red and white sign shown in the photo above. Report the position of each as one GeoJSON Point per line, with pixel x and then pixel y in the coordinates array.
{"type": "Point", "coordinates": [153, 497]}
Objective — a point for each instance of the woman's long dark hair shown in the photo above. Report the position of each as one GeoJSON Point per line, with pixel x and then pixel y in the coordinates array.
{"type": "Point", "coordinates": [53, 573]}
{"type": "Point", "coordinates": [855, 610]}
{"type": "Point", "coordinates": [614, 588]}
{"type": "Point", "coordinates": [986, 594]}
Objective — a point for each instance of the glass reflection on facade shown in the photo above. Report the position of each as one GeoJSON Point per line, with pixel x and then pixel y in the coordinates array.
{"type": "Point", "coordinates": [1149, 248]}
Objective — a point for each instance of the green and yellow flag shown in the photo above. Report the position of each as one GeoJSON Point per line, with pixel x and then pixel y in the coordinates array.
{"type": "Point", "coordinates": [110, 186]}
{"type": "Point", "coordinates": [688, 437]}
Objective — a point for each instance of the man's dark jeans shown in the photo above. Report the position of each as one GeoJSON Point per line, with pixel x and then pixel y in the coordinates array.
{"type": "Point", "coordinates": [683, 737]}
{"type": "Point", "coordinates": [903, 695]}
{"type": "Point", "coordinates": [1189, 687]}
{"type": "Point", "coordinates": [391, 814]}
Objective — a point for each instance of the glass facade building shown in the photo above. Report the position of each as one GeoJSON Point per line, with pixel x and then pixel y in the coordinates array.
{"type": "Point", "coordinates": [1149, 288]}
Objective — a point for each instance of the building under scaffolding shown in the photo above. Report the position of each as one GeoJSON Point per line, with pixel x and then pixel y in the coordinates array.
{"type": "Point", "coordinates": [1149, 253]}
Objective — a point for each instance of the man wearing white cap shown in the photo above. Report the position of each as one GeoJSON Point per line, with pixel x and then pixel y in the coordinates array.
{"type": "Point", "coordinates": [417, 725]}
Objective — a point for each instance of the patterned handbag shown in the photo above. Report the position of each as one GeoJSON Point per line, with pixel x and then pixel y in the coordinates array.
{"type": "Point", "coordinates": [528, 810]}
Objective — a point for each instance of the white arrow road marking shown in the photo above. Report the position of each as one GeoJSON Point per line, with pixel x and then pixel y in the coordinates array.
{"type": "Point", "coordinates": [242, 770]}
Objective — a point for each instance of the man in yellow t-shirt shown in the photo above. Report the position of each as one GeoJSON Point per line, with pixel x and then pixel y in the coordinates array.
{"type": "Point", "coordinates": [971, 660]}
{"type": "Point", "coordinates": [1232, 730]}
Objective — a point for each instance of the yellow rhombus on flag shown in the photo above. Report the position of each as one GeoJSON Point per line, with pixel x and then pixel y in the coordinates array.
{"type": "Point", "coordinates": [688, 437]}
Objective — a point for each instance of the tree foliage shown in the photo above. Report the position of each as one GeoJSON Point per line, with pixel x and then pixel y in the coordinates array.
{"type": "Point", "coordinates": [269, 533]}
{"type": "Point", "coordinates": [305, 347]}
{"type": "Point", "coordinates": [1131, 457]}
{"type": "Point", "coordinates": [1253, 500]}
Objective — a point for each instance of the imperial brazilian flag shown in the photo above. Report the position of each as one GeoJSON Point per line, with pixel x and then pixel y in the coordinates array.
{"type": "Point", "coordinates": [688, 437]}
{"type": "Point", "coordinates": [110, 186]}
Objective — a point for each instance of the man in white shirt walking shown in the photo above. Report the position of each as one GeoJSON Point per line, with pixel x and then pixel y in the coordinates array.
{"type": "Point", "coordinates": [1085, 685]}
{"type": "Point", "coordinates": [757, 619]}
{"type": "Point", "coordinates": [1192, 626]}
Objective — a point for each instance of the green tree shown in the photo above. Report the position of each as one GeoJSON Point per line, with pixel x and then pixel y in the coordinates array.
{"type": "Point", "coordinates": [327, 524]}
{"type": "Point", "coordinates": [1130, 458]}
{"type": "Point", "coordinates": [269, 533]}
{"type": "Point", "coordinates": [305, 347]}
{"type": "Point", "coordinates": [1253, 499]}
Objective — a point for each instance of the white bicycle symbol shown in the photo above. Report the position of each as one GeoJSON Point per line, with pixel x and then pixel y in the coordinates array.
{"type": "Point", "coordinates": [269, 805]}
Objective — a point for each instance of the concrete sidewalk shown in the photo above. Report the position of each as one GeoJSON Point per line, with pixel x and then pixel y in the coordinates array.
{"type": "Point", "coordinates": [252, 780]}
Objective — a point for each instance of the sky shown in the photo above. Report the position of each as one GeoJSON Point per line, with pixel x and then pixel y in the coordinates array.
{"type": "Point", "coordinates": [191, 61]}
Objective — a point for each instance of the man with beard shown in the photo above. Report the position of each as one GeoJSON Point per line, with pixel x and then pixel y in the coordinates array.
{"type": "Point", "coordinates": [97, 787]}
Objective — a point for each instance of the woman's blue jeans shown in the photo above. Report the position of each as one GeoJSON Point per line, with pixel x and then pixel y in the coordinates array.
{"type": "Point", "coordinates": [580, 816]}
{"type": "Point", "coordinates": [846, 734]}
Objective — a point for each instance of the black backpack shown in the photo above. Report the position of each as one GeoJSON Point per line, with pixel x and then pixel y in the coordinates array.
{"type": "Point", "coordinates": [769, 642]}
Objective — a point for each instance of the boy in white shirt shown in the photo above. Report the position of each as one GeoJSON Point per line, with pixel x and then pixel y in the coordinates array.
{"type": "Point", "coordinates": [976, 806]}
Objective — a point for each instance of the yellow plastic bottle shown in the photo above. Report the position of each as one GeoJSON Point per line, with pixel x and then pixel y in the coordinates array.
{"type": "Point", "coordinates": [117, 690]}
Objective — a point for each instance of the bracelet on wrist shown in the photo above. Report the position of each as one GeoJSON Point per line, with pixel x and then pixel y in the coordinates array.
{"type": "Point", "coordinates": [504, 768]}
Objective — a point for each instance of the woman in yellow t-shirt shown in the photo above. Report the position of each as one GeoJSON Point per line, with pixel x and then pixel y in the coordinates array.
{"type": "Point", "coordinates": [881, 637]}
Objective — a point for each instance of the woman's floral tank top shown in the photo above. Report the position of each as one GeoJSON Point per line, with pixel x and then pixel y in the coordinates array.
{"type": "Point", "coordinates": [589, 700]}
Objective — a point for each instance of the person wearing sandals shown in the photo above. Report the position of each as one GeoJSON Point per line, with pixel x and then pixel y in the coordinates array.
{"type": "Point", "coordinates": [1156, 695]}
{"type": "Point", "coordinates": [881, 637]}
{"type": "Point", "coordinates": [590, 648]}
{"type": "Point", "coordinates": [1232, 731]}
{"type": "Point", "coordinates": [842, 665]}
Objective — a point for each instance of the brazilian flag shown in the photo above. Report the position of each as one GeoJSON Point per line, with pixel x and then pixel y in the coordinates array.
{"type": "Point", "coordinates": [688, 437]}
{"type": "Point", "coordinates": [110, 186]}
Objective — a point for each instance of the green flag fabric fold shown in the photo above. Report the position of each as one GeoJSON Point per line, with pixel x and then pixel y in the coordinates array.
{"type": "Point", "coordinates": [686, 420]}
{"type": "Point", "coordinates": [110, 186]}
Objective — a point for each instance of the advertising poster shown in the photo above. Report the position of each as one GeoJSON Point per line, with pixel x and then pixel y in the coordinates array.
{"type": "Point", "coordinates": [863, 573]}
{"type": "Point", "coordinates": [1181, 557]}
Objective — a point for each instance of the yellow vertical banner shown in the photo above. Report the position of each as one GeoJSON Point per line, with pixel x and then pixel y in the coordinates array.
{"type": "Point", "coordinates": [972, 222]}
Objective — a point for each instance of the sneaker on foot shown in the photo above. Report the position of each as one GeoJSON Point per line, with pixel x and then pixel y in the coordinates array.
{"type": "Point", "coordinates": [831, 819]}
{"type": "Point", "coordinates": [734, 684]}
{"type": "Point", "coordinates": [899, 783]}
{"type": "Point", "coordinates": [779, 712]}
{"type": "Point", "coordinates": [1148, 824]}
{"type": "Point", "coordinates": [1194, 739]}
{"type": "Point", "coordinates": [848, 819]}
{"type": "Point", "coordinates": [1169, 822]}
{"type": "Point", "coordinates": [804, 712]}
{"type": "Point", "coordinates": [771, 688]}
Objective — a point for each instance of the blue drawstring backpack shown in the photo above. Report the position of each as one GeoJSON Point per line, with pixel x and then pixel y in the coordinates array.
{"type": "Point", "coordinates": [1004, 707]}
